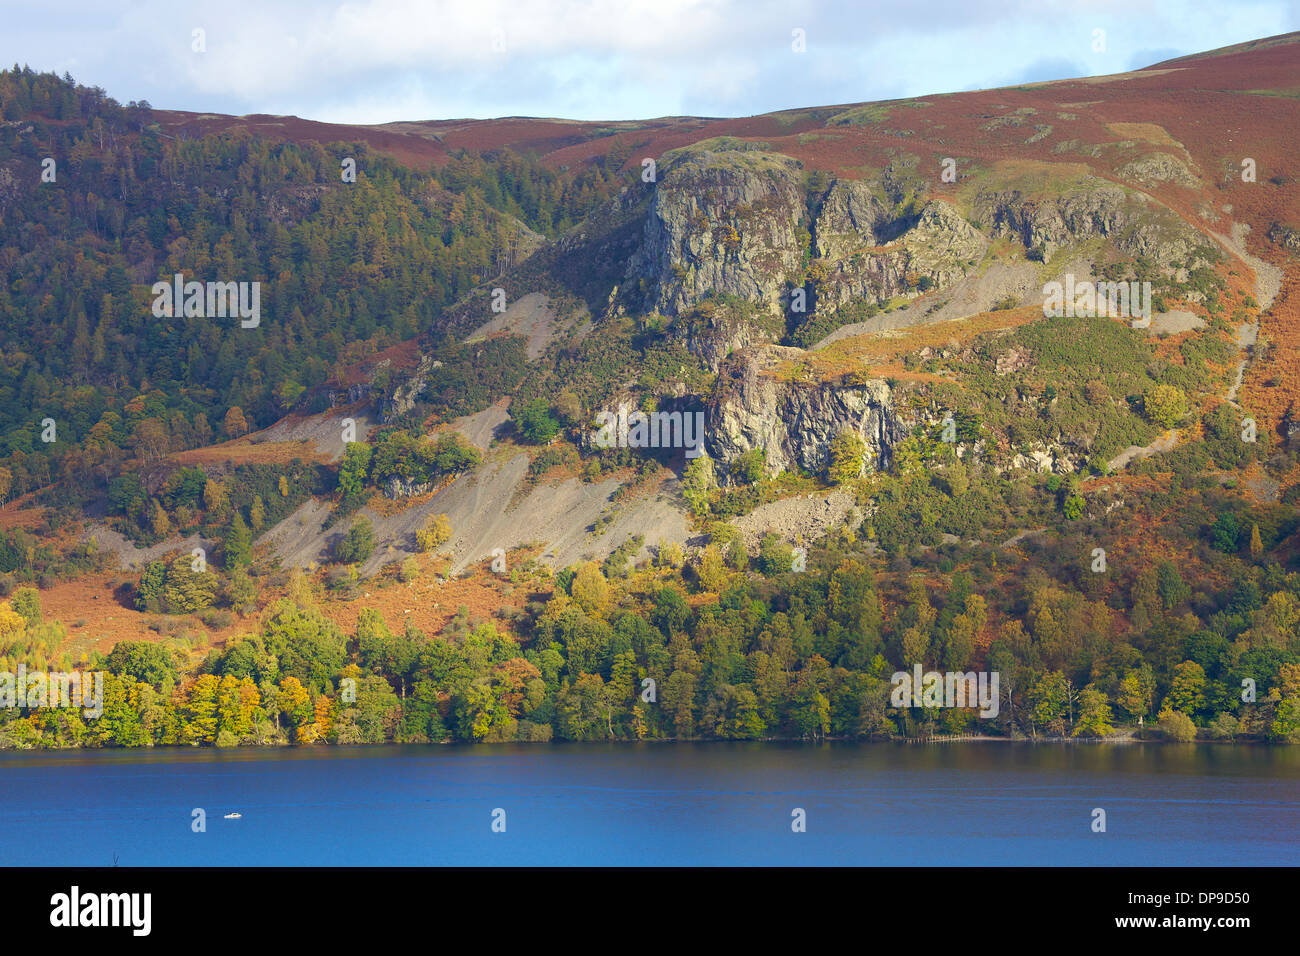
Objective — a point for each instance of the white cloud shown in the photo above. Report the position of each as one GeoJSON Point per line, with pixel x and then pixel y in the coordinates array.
{"type": "Point", "coordinates": [381, 60]}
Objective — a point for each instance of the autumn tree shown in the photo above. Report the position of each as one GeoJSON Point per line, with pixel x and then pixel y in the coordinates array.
{"type": "Point", "coordinates": [435, 532]}
{"type": "Point", "coordinates": [590, 589]}
{"type": "Point", "coordinates": [1165, 405]}
{"type": "Point", "coordinates": [1094, 714]}
{"type": "Point", "coordinates": [848, 457]}
{"type": "Point", "coordinates": [234, 423]}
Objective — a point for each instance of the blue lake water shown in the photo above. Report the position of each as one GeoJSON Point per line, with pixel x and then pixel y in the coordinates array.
{"type": "Point", "coordinates": [657, 803]}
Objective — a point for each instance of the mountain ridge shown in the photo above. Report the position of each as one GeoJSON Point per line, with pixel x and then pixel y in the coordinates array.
{"type": "Point", "coordinates": [852, 298]}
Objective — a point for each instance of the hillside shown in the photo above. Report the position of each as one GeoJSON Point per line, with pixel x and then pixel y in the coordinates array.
{"type": "Point", "coordinates": [883, 449]}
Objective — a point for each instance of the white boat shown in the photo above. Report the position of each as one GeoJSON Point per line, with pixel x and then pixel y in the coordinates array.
{"type": "Point", "coordinates": [234, 816]}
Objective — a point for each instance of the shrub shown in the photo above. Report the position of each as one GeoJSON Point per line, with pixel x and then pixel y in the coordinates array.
{"type": "Point", "coordinates": [1224, 727]}
{"type": "Point", "coordinates": [174, 588]}
{"type": "Point", "coordinates": [352, 472]}
{"type": "Point", "coordinates": [357, 545]}
{"type": "Point", "coordinates": [436, 532]}
{"type": "Point", "coordinates": [848, 456]}
{"type": "Point", "coordinates": [615, 566]}
{"type": "Point", "coordinates": [549, 458]}
{"type": "Point", "coordinates": [668, 555]}
{"type": "Point", "coordinates": [534, 422]}
{"type": "Point", "coordinates": [27, 604]}
{"type": "Point", "coordinates": [1225, 534]}
{"type": "Point", "coordinates": [1176, 726]}
{"type": "Point", "coordinates": [774, 555]}
{"type": "Point", "coordinates": [216, 619]}
{"type": "Point", "coordinates": [238, 592]}
{"type": "Point", "coordinates": [342, 579]}
{"type": "Point", "coordinates": [142, 661]}
{"type": "Point", "coordinates": [748, 467]}
{"type": "Point", "coordinates": [1165, 405]}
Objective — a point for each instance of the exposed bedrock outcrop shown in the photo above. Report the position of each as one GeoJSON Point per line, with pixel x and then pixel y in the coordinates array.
{"type": "Point", "coordinates": [743, 223]}
{"type": "Point", "coordinates": [794, 422]}
{"type": "Point", "coordinates": [730, 222]}
{"type": "Point", "coordinates": [865, 252]}
{"type": "Point", "coordinates": [1133, 223]}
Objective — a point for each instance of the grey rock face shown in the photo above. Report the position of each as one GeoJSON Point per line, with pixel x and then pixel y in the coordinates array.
{"type": "Point", "coordinates": [350, 395]}
{"type": "Point", "coordinates": [398, 487]}
{"type": "Point", "coordinates": [403, 396]}
{"type": "Point", "coordinates": [1159, 168]}
{"type": "Point", "coordinates": [1132, 223]}
{"type": "Point", "coordinates": [793, 422]}
{"type": "Point", "coordinates": [736, 223]}
{"type": "Point", "coordinates": [862, 261]}
{"type": "Point", "coordinates": [726, 222]}
{"type": "Point", "coordinates": [850, 217]}
{"type": "Point", "coordinates": [712, 340]}
{"type": "Point", "coordinates": [1285, 236]}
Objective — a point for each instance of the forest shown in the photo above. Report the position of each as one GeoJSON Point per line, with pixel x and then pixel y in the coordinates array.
{"type": "Point", "coordinates": [721, 647]}
{"type": "Point", "coordinates": [1188, 627]}
{"type": "Point", "coordinates": [347, 269]}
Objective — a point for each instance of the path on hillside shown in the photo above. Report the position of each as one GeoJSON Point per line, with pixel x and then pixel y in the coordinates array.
{"type": "Point", "coordinates": [1268, 283]}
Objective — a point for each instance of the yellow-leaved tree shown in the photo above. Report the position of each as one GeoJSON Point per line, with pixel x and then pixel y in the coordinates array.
{"type": "Point", "coordinates": [11, 622]}
{"type": "Point", "coordinates": [590, 589]}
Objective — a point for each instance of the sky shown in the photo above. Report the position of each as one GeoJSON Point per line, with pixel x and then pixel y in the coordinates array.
{"type": "Point", "coordinates": [376, 61]}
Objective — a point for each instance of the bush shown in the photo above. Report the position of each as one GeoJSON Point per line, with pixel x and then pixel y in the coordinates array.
{"type": "Point", "coordinates": [1176, 726]}
{"type": "Point", "coordinates": [552, 457]}
{"type": "Point", "coordinates": [1225, 534]}
{"type": "Point", "coordinates": [215, 619]}
{"type": "Point", "coordinates": [401, 455]}
{"type": "Point", "coordinates": [342, 579]}
{"type": "Point", "coordinates": [144, 662]}
{"type": "Point", "coordinates": [774, 556]}
{"type": "Point", "coordinates": [668, 555]}
{"type": "Point", "coordinates": [409, 571]}
{"type": "Point", "coordinates": [239, 592]}
{"type": "Point", "coordinates": [352, 472]}
{"type": "Point", "coordinates": [1165, 405]}
{"type": "Point", "coordinates": [357, 545]}
{"type": "Point", "coordinates": [174, 588]}
{"type": "Point", "coordinates": [534, 422]}
{"type": "Point", "coordinates": [848, 456]}
{"type": "Point", "coordinates": [27, 604]}
{"type": "Point", "coordinates": [615, 566]}
{"type": "Point", "coordinates": [1224, 727]}
{"type": "Point", "coordinates": [436, 532]}
{"type": "Point", "coordinates": [748, 467]}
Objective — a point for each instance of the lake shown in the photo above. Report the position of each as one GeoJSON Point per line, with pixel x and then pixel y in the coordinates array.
{"type": "Point", "coordinates": [975, 803]}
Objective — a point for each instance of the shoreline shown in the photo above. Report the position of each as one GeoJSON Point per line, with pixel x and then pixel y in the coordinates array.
{"type": "Point", "coordinates": [1125, 739]}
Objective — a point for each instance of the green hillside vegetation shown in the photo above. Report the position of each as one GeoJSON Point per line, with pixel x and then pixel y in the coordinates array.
{"type": "Point", "coordinates": [948, 563]}
{"type": "Point", "coordinates": [346, 270]}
